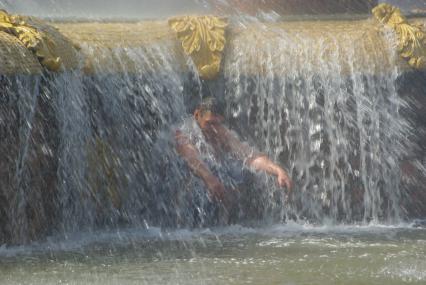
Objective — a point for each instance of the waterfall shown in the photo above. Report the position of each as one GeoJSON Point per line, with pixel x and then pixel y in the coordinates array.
{"type": "Point", "coordinates": [335, 124]}
{"type": "Point", "coordinates": [111, 122]}
{"type": "Point", "coordinates": [20, 95]}
{"type": "Point", "coordinates": [94, 148]}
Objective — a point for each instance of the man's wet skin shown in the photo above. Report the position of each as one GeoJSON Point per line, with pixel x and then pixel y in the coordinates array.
{"type": "Point", "coordinates": [223, 142]}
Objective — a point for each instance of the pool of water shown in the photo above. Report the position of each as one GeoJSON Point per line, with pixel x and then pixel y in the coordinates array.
{"type": "Point", "coordinates": [280, 254]}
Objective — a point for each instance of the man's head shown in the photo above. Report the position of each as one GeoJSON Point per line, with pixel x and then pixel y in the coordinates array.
{"type": "Point", "coordinates": [208, 111]}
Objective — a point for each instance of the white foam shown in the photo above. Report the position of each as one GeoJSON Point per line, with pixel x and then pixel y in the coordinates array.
{"type": "Point", "coordinates": [282, 235]}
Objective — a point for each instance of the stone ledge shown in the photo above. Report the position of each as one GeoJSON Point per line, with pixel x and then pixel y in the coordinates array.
{"type": "Point", "coordinates": [295, 7]}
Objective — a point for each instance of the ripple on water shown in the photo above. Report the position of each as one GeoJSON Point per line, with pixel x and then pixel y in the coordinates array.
{"type": "Point", "coordinates": [406, 272]}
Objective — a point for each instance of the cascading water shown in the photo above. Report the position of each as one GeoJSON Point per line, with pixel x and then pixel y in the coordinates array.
{"type": "Point", "coordinates": [316, 100]}
{"type": "Point", "coordinates": [92, 190]}
{"type": "Point", "coordinates": [113, 178]}
{"type": "Point", "coordinates": [338, 129]}
{"type": "Point", "coordinates": [105, 127]}
{"type": "Point", "coordinates": [19, 98]}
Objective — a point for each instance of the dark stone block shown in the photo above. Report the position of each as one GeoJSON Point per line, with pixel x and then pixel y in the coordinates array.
{"type": "Point", "coordinates": [28, 168]}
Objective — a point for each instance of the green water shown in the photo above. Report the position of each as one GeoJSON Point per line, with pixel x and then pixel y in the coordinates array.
{"type": "Point", "coordinates": [290, 254]}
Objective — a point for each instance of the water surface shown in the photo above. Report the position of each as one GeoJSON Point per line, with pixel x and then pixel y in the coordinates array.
{"type": "Point", "coordinates": [280, 254]}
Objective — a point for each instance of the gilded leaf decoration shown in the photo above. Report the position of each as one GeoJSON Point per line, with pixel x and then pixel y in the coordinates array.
{"type": "Point", "coordinates": [411, 38]}
{"type": "Point", "coordinates": [203, 38]}
{"type": "Point", "coordinates": [32, 38]}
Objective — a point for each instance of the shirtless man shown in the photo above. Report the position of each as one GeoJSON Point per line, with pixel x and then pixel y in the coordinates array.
{"type": "Point", "coordinates": [223, 142]}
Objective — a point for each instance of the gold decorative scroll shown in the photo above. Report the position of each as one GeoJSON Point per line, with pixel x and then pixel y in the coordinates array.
{"type": "Point", "coordinates": [203, 38]}
{"type": "Point", "coordinates": [411, 38]}
{"type": "Point", "coordinates": [33, 39]}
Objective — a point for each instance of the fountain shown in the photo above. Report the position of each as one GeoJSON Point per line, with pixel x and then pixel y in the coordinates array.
{"type": "Point", "coordinates": [88, 109]}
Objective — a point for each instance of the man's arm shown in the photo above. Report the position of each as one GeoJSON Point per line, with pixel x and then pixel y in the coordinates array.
{"type": "Point", "coordinates": [265, 164]}
{"type": "Point", "coordinates": [251, 158]}
{"type": "Point", "coordinates": [192, 157]}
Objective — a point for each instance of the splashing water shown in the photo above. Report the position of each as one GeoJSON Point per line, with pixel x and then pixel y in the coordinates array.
{"type": "Point", "coordinates": [90, 173]}
{"type": "Point", "coordinates": [323, 101]}
{"type": "Point", "coordinates": [338, 127]}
